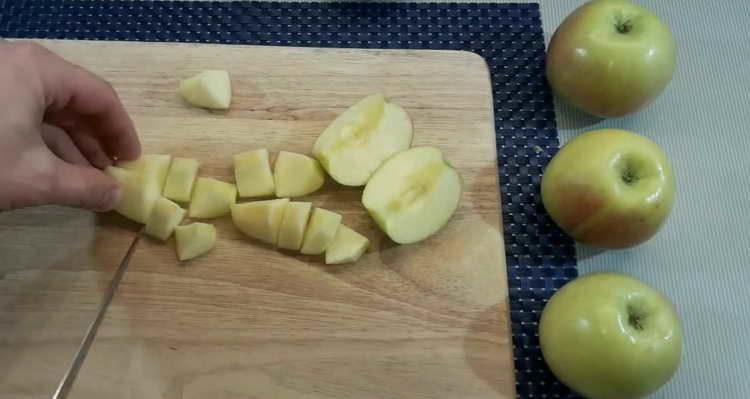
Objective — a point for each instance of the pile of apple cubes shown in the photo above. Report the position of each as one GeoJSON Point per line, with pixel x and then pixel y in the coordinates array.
{"type": "Point", "coordinates": [410, 193]}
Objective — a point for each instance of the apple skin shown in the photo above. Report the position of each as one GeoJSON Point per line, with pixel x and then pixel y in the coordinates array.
{"type": "Point", "coordinates": [589, 339]}
{"type": "Point", "coordinates": [595, 67]}
{"type": "Point", "coordinates": [609, 188]}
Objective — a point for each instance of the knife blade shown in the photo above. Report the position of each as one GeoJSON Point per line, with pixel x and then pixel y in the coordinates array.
{"type": "Point", "coordinates": [70, 375]}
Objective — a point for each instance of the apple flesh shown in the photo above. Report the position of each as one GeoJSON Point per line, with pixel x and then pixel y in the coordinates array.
{"type": "Point", "coordinates": [165, 216]}
{"type": "Point", "coordinates": [354, 145]}
{"type": "Point", "coordinates": [194, 239]}
{"type": "Point", "coordinates": [347, 246]}
{"type": "Point", "coordinates": [210, 89]}
{"type": "Point", "coordinates": [260, 220]}
{"type": "Point", "coordinates": [211, 198]}
{"type": "Point", "coordinates": [610, 336]}
{"type": "Point", "coordinates": [320, 231]}
{"type": "Point", "coordinates": [609, 188]}
{"type": "Point", "coordinates": [180, 179]}
{"type": "Point", "coordinates": [151, 166]}
{"type": "Point", "coordinates": [610, 58]}
{"type": "Point", "coordinates": [252, 172]}
{"type": "Point", "coordinates": [293, 223]}
{"type": "Point", "coordinates": [296, 175]}
{"type": "Point", "coordinates": [139, 193]}
{"type": "Point", "coordinates": [413, 194]}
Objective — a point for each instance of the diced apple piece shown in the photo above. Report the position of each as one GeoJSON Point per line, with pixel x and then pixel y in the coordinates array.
{"type": "Point", "coordinates": [139, 193]}
{"type": "Point", "coordinates": [296, 175]}
{"type": "Point", "coordinates": [355, 144]}
{"type": "Point", "coordinates": [252, 172]}
{"type": "Point", "coordinates": [165, 216]}
{"type": "Point", "coordinates": [194, 239]}
{"type": "Point", "coordinates": [413, 195]}
{"type": "Point", "coordinates": [293, 223]}
{"type": "Point", "coordinates": [151, 165]}
{"type": "Point", "coordinates": [320, 231]}
{"type": "Point", "coordinates": [347, 246]}
{"type": "Point", "coordinates": [260, 219]}
{"type": "Point", "coordinates": [180, 179]}
{"type": "Point", "coordinates": [211, 198]}
{"type": "Point", "coordinates": [210, 89]}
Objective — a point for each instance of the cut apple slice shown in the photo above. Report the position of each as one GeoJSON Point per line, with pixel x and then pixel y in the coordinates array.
{"type": "Point", "coordinates": [252, 172]}
{"type": "Point", "coordinates": [296, 175]}
{"type": "Point", "coordinates": [210, 89]}
{"type": "Point", "coordinates": [180, 179]}
{"type": "Point", "coordinates": [293, 223]}
{"type": "Point", "coordinates": [151, 166]}
{"type": "Point", "coordinates": [139, 193]}
{"type": "Point", "coordinates": [211, 198]}
{"type": "Point", "coordinates": [165, 216]}
{"type": "Point", "coordinates": [194, 239]}
{"type": "Point", "coordinates": [347, 246]}
{"type": "Point", "coordinates": [320, 231]}
{"type": "Point", "coordinates": [355, 144]}
{"type": "Point", "coordinates": [260, 219]}
{"type": "Point", "coordinates": [413, 195]}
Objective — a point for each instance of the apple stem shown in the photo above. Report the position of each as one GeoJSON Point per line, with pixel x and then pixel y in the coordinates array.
{"type": "Point", "coordinates": [624, 26]}
{"type": "Point", "coordinates": [635, 319]}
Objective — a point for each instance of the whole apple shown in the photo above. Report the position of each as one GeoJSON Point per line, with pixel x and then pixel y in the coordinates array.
{"type": "Point", "coordinates": [610, 336]}
{"type": "Point", "coordinates": [609, 188]}
{"type": "Point", "coordinates": [610, 58]}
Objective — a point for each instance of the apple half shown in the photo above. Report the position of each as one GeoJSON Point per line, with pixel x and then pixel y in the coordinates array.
{"type": "Point", "coordinates": [347, 246]}
{"type": "Point", "coordinates": [210, 89]}
{"type": "Point", "coordinates": [165, 216]}
{"type": "Point", "coordinates": [293, 224]}
{"type": "Point", "coordinates": [320, 231]}
{"type": "Point", "coordinates": [260, 220]}
{"type": "Point", "coordinates": [296, 175]}
{"type": "Point", "coordinates": [180, 179]}
{"type": "Point", "coordinates": [211, 198]}
{"type": "Point", "coordinates": [413, 194]}
{"type": "Point", "coordinates": [194, 239]}
{"type": "Point", "coordinates": [252, 173]}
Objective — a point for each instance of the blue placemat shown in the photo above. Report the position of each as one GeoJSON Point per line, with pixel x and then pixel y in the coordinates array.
{"type": "Point", "coordinates": [509, 36]}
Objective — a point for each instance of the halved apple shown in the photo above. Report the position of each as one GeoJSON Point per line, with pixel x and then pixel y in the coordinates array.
{"type": "Point", "coordinates": [413, 195]}
{"type": "Point", "coordinates": [260, 219]}
{"type": "Point", "coordinates": [293, 223]}
{"type": "Point", "coordinates": [252, 173]}
{"type": "Point", "coordinates": [209, 89]}
{"type": "Point", "coordinates": [139, 193]}
{"type": "Point", "coordinates": [211, 198]}
{"type": "Point", "coordinates": [354, 145]}
{"type": "Point", "coordinates": [180, 179]}
{"type": "Point", "coordinates": [347, 246]}
{"type": "Point", "coordinates": [165, 216]}
{"type": "Point", "coordinates": [296, 175]}
{"type": "Point", "coordinates": [320, 231]}
{"type": "Point", "coordinates": [194, 239]}
{"type": "Point", "coordinates": [153, 166]}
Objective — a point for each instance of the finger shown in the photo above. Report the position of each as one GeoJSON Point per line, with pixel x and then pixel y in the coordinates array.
{"type": "Point", "coordinates": [83, 187]}
{"type": "Point", "coordinates": [62, 145]}
{"type": "Point", "coordinates": [91, 148]}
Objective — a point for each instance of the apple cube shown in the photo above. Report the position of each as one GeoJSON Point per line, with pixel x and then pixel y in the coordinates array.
{"type": "Point", "coordinates": [211, 198]}
{"type": "Point", "coordinates": [296, 175]}
{"type": "Point", "coordinates": [260, 219]}
{"type": "Point", "coordinates": [293, 223]}
{"type": "Point", "coordinates": [320, 231]}
{"type": "Point", "coordinates": [252, 172]}
{"type": "Point", "coordinates": [139, 193]}
{"type": "Point", "coordinates": [354, 145]}
{"type": "Point", "coordinates": [347, 246]}
{"type": "Point", "coordinates": [194, 239]}
{"type": "Point", "coordinates": [154, 166]}
{"type": "Point", "coordinates": [180, 179]}
{"type": "Point", "coordinates": [165, 216]}
{"type": "Point", "coordinates": [210, 89]}
{"type": "Point", "coordinates": [413, 195]}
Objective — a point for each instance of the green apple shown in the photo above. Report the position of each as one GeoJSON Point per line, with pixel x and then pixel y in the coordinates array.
{"type": "Point", "coordinates": [194, 239]}
{"type": "Point", "coordinates": [180, 179]}
{"type": "Point", "coordinates": [210, 89]}
{"type": "Point", "coordinates": [610, 58]}
{"type": "Point", "coordinates": [610, 336]}
{"type": "Point", "coordinates": [609, 188]}
{"type": "Point", "coordinates": [347, 246]}
{"type": "Point", "coordinates": [413, 194]}
{"type": "Point", "coordinates": [320, 231]}
{"type": "Point", "coordinates": [296, 175]}
{"type": "Point", "coordinates": [260, 219]}
{"type": "Point", "coordinates": [139, 192]}
{"type": "Point", "coordinates": [165, 216]}
{"type": "Point", "coordinates": [354, 145]}
{"type": "Point", "coordinates": [211, 198]}
{"type": "Point", "coordinates": [293, 223]}
{"type": "Point", "coordinates": [252, 173]}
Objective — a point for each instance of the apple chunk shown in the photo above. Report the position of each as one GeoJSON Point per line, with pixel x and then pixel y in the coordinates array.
{"type": "Point", "coordinates": [354, 145]}
{"type": "Point", "coordinates": [180, 179]}
{"type": "Point", "coordinates": [211, 198]}
{"type": "Point", "coordinates": [293, 223]}
{"type": "Point", "coordinates": [413, 195]}
{"type": "Point", "coordinates": [296, 175]}
{"type": "Point", "coordinates": [165, 216]}
{"type": "Point", "coordinates": [260, 219]}
{"type": "Point", "coordinates": [151, 166]}
{"type": "Point", "coordinates": [210, 89]}
{"type": "Point", "coordinates": [347, 246]}
{"type": "Point", "coordinates": [139, 193]}
{"type": "Point", "coordinates": [252, 172]}
{"type": "Point", "coordinates": [194, 239]}
{"type": "Point", "coordinates": [320, 231]}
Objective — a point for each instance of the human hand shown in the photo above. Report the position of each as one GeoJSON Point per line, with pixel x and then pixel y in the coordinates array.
{"type": "Point", "coordinates": [60, 125]}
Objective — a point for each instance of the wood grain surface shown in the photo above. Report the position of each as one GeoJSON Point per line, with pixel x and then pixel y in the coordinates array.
{"type": "Point", "coordinates": [418, 321]}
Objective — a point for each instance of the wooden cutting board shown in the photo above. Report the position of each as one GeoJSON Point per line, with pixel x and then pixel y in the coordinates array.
{"type": "Point", "coordinates": [420, 321]}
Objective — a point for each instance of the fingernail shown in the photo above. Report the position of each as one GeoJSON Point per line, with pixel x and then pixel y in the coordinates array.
{"type": "Point", "coordinates": [111, 198]}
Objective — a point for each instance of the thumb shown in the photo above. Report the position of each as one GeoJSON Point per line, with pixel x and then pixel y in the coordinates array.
{"type": "Point", "coordinates": [84, 187]}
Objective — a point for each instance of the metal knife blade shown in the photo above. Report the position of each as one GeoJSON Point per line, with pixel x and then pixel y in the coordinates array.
{"type": "Point", "coordinates": [69, 378]}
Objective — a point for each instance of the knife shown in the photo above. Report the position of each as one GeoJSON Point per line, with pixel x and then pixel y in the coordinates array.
{"type": "Point", "coordinates": [70, 376]}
